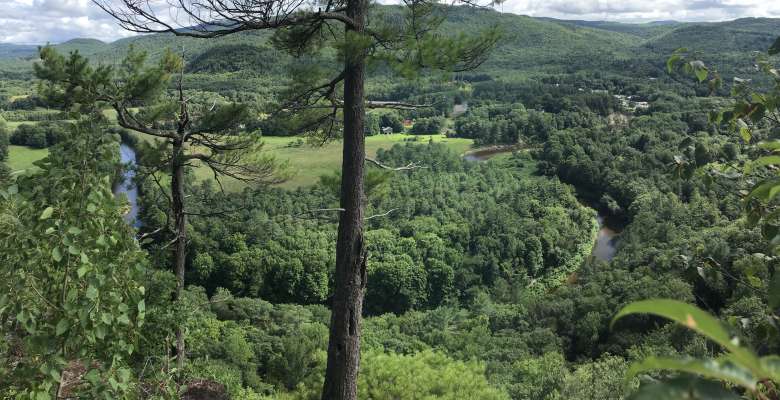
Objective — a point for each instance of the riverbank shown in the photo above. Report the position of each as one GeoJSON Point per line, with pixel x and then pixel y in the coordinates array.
{"type": "Point", "coordinates": [488, 152]}
{"type": "Point", "coordinates": [605, 239]}
{"type": "Point", "coordinates": [563, 273]}
{"type": "Point", "coordinates": [601, 238]}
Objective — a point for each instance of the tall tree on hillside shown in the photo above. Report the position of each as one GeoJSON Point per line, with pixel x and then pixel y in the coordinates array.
{"type": "Point", "coordinates": [182, 133]}
{"type": "Point", "coordinates": [404, 38]}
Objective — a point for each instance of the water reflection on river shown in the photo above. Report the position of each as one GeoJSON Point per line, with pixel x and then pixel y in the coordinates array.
{"type": "Point", "coordinates": [127, 186]}
{"type": "Point", "coordinates": [606, 241]}
{"type": "Point", "coordinates": [485, 154]}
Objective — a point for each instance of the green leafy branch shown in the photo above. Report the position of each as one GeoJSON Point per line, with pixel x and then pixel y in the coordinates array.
{"type": "Point", "coordinates": [739, 366]}
{"type": "Point", "coordinates": [754, 114]}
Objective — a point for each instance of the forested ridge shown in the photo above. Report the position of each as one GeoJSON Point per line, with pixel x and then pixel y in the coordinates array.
{"type": "Point", "coordinates": [490, 161]}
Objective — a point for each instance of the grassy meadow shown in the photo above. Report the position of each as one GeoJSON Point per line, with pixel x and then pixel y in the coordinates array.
{"type": "Point", "coordinates": [21, 158]}
{"type": "Point", "coordinates": [306, 162]}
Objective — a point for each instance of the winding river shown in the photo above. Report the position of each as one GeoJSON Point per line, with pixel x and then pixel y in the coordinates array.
{"type": "Point", "coordinates": [127, 187]}
{"type": "Point", "coordinates": [609, 233]}
{"type": "Point", "coordinates": [604, 248]}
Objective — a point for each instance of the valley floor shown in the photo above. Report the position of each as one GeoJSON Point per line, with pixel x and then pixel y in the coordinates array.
{"type": "Point", "coordinates": [307, 161]}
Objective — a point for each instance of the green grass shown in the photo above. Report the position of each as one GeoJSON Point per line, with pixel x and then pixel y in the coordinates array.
{"type": "Point", "coordinates": [21, 158]}
{"type": "Point", "coordinates": [308, 163]}
{"type": "Point", "coordinates": [12, 125]}
{"type": "Point", "coordinates": [529, 168]}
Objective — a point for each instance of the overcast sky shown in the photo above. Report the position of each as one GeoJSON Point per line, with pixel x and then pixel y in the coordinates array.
{"type": "Point", "coordinates": [41, 21]}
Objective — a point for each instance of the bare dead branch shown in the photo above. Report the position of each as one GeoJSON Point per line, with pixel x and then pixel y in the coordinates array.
{"type": "Point", "coordinates": [317, 214]}
{"type": "Point", "coordinates": [314, 213]}
{"type": "Point", "coordinates": [214, 18]}
{"type": "Point", "coordinates": [394, 105]}
{"type": "Point", "coordinates": [126, 120]}
{"type": "Point", "coordinates": [381, 215]}
{"type": "Point", "coordinates": [310, 97]}
{"type": "Point", "coordinates": [408, 167]}
{"type": "Point", "coordinates": [149, 234]}
{"type": "Point", "coordinates": [397, 105]}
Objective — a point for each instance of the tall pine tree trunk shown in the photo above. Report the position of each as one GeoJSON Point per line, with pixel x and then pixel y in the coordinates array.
{"type": "Point", "coordinates": [350, 281]}
{"type": "Point", "coordinates": [180, 251]}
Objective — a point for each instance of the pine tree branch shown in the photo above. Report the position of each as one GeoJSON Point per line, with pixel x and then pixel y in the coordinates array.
{"type": "Point", "coordinates": [214, 18]}
{"type": "Point", "coordinates": [128, 121]}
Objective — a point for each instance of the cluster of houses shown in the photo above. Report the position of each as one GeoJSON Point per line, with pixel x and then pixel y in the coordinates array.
{"type": "Point", "coordinates": [632, 103]}
{"type": "Point", "coordinates": [386, 130]}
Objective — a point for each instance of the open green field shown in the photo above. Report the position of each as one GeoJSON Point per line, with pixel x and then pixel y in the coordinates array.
{"type": "Point", "coordinates": [14, 124]}
{"type": "Point", "coordinates": [21, 158]}
{"type": "Point", "coordinates": [308, 163]}
{"type": "Point", "coordinates": [527, 166]}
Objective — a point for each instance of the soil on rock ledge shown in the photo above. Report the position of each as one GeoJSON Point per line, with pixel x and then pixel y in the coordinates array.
{"type": "Point", "coordinates": [205, 390]}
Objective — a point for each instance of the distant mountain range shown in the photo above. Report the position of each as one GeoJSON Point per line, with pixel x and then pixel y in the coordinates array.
{"type": "Point", "coordinates": [644, 30]}
{"type": "Point", "coordinates": [528, 44]}
{"type": "Point", "coordinates": [87, 46]}
{"type": "Point", "coordinates": [10, 50]}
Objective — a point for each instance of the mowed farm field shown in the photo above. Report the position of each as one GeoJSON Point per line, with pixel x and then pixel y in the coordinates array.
{"type": "Point", "coordinates": [306, 162]}
{"type": "Point", "coordinates": [21, 158]}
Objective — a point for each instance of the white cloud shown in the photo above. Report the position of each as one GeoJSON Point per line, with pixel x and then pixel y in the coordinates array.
{"type": "Point", "coordinates": [644, 10]}
{"type": "Point", "coordinates": [41, 21]}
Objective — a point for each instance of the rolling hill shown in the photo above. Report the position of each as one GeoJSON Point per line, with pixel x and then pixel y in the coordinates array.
{"type": "Point", "coordinates": [738, 36]}
{"type": "Point", "coordinates": [529, 45]}
{"type": "Point", "coordinates": [646, 30]}
{"type": "Point", "coordinates": [11, 51]}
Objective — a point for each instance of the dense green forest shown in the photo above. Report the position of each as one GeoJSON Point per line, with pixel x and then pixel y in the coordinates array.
{"type": "Point", "coordinates": [492, 193]}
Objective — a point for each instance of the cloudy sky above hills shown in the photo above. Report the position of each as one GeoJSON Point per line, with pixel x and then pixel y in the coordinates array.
{"type": "Point", "coordinates": [41, 21]}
